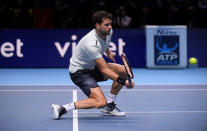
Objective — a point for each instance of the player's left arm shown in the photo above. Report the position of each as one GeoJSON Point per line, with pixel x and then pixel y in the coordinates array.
{"type": "Point", "coordinates": [110, 55]}
{"type": "Point", "coordinates": [103, 67]}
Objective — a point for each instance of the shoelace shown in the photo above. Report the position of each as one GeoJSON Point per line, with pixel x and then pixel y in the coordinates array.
{"type": "Point", "coordinates": [112, 106]}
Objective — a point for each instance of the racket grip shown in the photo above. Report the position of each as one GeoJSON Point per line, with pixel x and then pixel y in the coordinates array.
{"type": "Point", "coordinates": [130, 80]}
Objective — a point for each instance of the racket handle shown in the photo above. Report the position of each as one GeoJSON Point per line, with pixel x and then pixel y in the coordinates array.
{"type": "Point", "coordinates": [130, 80]}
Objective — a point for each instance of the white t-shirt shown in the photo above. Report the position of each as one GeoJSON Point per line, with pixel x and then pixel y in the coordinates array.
{"type": "Point", "coordinates": [89, 48]}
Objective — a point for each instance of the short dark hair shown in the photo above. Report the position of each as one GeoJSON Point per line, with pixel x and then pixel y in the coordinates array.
{"type": "Point", "coordinates": [100, 15]}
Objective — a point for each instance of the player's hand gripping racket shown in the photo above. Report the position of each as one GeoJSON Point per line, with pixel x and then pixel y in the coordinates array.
{"type": "Point", "coordinates": [127, 68]}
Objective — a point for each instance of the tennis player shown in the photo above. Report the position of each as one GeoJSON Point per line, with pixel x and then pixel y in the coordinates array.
{"type": "Point", "coordinates": [87, 67]}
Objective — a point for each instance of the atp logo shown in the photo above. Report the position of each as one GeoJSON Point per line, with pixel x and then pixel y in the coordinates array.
{"type": "Point", "coordinates": [166, 50]}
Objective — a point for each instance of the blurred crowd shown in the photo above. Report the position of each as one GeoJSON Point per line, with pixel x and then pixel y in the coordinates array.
{"type": "Point", "coordinates": [77, 14]}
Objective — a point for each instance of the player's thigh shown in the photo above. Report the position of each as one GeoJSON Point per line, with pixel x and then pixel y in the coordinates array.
{"type": "Point", "coordinates": [84, 81]}
{"type": "Point", "coordinates": [117, 68]}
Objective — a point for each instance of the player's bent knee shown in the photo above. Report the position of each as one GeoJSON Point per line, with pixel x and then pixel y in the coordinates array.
{"type": "Point", "coordinates": [98, 96]}
{"type": "Point", "coordinates": [100, 103]}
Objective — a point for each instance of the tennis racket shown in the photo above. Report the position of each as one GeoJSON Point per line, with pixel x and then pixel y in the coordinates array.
{"type": "Point", "coordinates": [127, 68]}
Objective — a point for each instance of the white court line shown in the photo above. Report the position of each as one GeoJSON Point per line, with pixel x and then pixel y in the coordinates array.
{"type": "Point", "coordinates": [75, 112]}
{"type": "Point", "coordinates": [150, 112]}
{"type": "Point", "coordinates": [126, 90]}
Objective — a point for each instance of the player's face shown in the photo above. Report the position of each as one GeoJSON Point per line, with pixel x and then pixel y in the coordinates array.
{"type": "Point", "coordinates": [105, 27]}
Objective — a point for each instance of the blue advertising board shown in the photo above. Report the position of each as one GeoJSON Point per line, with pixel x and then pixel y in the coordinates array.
{"type": "Point", "coordinates": [197, 45]}
{"type": "Point", "coordinates": [166, 46]}
{"type": "Point", "coordinates": [53, 48]}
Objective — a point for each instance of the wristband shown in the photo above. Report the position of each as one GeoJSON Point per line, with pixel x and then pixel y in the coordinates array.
{"type": "Point", "coordinates": [121, 80]}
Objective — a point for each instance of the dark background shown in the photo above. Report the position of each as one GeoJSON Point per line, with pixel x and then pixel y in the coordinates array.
{"type": "Point", "coordinates": [67, 14]}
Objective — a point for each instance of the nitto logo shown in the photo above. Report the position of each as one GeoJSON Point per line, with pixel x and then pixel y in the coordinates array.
{"type": "Point", "coordinates": [166, 32]}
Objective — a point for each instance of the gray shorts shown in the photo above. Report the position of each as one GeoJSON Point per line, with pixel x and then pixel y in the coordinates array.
{"type": "Point", "coordinates": [86, 79]}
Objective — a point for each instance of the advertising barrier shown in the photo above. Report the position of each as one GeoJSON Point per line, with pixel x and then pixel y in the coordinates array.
{"type": "Point", "coordinates": [53, 48]}
{"type": "Point", "coordinates": [166, 46]}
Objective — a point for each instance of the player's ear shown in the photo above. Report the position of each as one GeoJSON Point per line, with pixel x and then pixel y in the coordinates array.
{"type": "Point", "coordinates": [97, 25]}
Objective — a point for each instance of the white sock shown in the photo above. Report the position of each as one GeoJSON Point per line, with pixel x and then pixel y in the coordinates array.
{"type": "Point", "coordinates": [69, 107]}
{"type": "Point", "coordinates": [111, 97]}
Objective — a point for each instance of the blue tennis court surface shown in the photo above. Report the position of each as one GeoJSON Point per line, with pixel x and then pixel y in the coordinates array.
{"type": "Point", "coordinates": [162, 100]}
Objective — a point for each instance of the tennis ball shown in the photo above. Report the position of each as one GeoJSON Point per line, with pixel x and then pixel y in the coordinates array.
{"type": "Point", "coordinates": [192, 60]}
